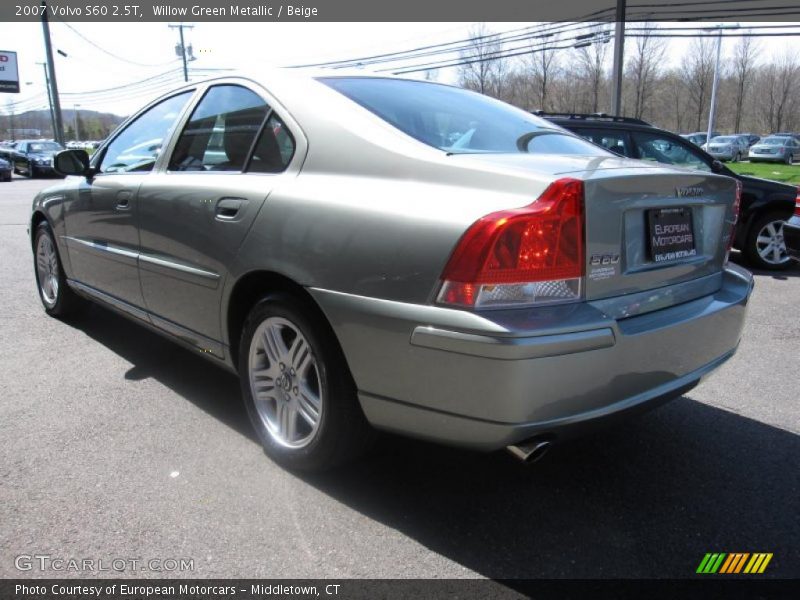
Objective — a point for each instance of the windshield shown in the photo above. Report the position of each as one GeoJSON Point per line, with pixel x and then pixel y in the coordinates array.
{"type": "Point", "coordinates": [44, 147]}
{"type": "Point", "coordinates": [774, 141]}
{"type": "Point", "coordinates": [723, 139]}
{"type": "Point", "coordinates": [456, 120]}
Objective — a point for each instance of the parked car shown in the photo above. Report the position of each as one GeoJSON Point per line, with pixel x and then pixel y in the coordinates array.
{"type": "Point", "coordinates": [765, 204]}
{"type": "Point", "coordinates": [698, 138]}
{"type": "Point", "coordinates": [791, 231]}
{"type": "Point", "coordinates": [792, 134]}
{"type": "Point", "coordinates": [34, 157]}
{"type": "Point", "coordinates": [752, 138]}
{"type": "Point", "coordinates": [7, 150]}
{"type": "Point", "coordinates": [775, 149]}
{"type": "Point", "coordinates": [5, 170]}
{"type": "Point", "coordinates": [432, 261]}
{"type": "Point", "coordinates": [727, 147]}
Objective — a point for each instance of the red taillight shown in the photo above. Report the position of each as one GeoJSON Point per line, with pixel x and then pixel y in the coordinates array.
{"type": "Point", "coordinates": [737, 203]}
{"type": "Point", "coordinates": [520, 256]}
{"type": "Point", "coordinates": [797, 203]}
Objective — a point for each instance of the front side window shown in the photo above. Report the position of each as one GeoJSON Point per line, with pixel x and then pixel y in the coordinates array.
{"type": "Point", "coordinates": [136, 149]}
{"type": "Point", "coordinates": [658, 148]}
{"type": "Point", "coordinates": [457, 120]}
{"type": "Point", "coordinates": [221, 131]}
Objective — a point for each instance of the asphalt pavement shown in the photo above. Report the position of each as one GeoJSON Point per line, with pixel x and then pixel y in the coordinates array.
{"type": "Point", "coordinates": [117, 444]}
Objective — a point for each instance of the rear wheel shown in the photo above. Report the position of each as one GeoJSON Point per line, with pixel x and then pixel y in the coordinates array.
{"type": "Point", "coordinates": [56, 296]}
{"type": "Point", "coordinates": [789, 159]}
{"type": "Point", "coordinates": [297, 387]}
{"type": "Point", "coordinates": [765, 247]}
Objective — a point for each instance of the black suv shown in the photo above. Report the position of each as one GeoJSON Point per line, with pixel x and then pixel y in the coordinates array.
{"type": "Point", "coordinates": [766, 205]}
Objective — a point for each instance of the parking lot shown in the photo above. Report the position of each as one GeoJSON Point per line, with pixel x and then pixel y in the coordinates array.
{"type": "Point", "coordinates": [115, 443]}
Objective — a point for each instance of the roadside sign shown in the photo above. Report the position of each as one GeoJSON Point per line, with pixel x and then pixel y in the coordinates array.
{"type": "Point", "coordinates": [9, 74]}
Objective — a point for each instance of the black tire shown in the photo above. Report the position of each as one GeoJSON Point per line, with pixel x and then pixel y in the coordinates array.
{"type": "Point", "coordinates": [65, 301]}
{"type": "Point", "coordinates": [31, 171]}
{"type": "Point", "coordinates": [751, 246]}
{"type": "Point", "coordinates": [788, 159]}
{"type": "Point", "coordinates": [343, 432]}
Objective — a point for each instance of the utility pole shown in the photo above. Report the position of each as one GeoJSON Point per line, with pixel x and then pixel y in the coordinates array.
{"type": "Point", "coordinates": [75, 116]}
{"type": "Point", "coordinates": [50, 73]}
{"type": "Point", "coordinates": [49, 99]}
{"type": "Point", "coordinates": [712, 109]}
{"type": "Point", "coordinates": [181, 49]}
{"type": "Point", "coordinates": [619, 53]}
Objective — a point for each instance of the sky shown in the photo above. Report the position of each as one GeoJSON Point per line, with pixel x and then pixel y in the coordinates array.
{"type": "Point", "coordinates": [249, 46]}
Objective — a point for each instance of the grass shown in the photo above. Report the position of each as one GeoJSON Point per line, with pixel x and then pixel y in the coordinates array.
{"type": "Point", "coordinates": [774, 171]}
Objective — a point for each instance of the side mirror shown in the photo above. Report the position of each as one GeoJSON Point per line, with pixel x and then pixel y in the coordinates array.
{"type": "Point", "coordinates": [72, 162]}
{"type": "Point", "coordinates": [717, 167]}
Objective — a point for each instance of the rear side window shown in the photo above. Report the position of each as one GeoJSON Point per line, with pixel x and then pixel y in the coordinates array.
{"type": "Point", "coordinates": [221, 131]}
{"type": "Point", "coordinates": [663, 149]}
{"type": "Point", "coordinates": [274, 149]}
{"type": "Point", "coordinates": [138, 146]}
{"type": "Point", "coordinates": [615, 141]}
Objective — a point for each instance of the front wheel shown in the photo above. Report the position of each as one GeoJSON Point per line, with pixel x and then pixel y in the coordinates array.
{"type": "Point", "coordinates": [297, 387]}
{"type": "Point", "coordinates": [56, 296]}
{"type": "Point", "coordinates": [765, 247]}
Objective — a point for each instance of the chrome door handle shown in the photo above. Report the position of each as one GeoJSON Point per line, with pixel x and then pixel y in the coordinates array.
{"type": "Point", "coordinates": [123, 200]}
{"type": "Point", "coordinates": [228, 208]}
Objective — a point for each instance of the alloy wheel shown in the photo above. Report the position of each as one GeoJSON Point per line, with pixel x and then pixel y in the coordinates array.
{"type": "Point", "coordinates": [285, 383]}
{"type": "Point", "coordinates": [47, 269]}
{"type": "Point", "coordinates": [771, 245]}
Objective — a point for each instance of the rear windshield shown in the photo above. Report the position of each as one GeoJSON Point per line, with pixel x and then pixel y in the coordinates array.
{"type": "Point", "coordinates": [43, 147]}
{"type": "Point", "coordinates": [774, 141]}
{"type": "Point", "coordinates": [724, 139]}
{"type": "Point", "coordinates": [457, 120]}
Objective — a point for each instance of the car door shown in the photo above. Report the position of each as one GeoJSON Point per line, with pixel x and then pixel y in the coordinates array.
{"type": "Point", "coordinates": [101, 220]}
{"type": "Point", "coordinates": [195, 214]}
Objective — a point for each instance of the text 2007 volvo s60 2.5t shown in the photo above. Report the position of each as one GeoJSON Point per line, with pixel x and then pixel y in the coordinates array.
{"type": "Point", "coordinates": [380, 253]}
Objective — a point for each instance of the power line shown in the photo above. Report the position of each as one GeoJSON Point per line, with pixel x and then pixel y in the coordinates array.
{"type": "Point", "coordinates": [108, 52]}
{"type": "Point", "coordinates": [521, 51]}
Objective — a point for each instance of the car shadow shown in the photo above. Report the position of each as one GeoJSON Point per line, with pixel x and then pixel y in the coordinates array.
{"type": "Point", "coordinates": [644, 499]}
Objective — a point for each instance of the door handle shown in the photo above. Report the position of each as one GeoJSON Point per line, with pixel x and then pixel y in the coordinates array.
{"type": "Point", "coordinates": [228, 208]}
{"type": "Point", "coordinates": [123, 200]}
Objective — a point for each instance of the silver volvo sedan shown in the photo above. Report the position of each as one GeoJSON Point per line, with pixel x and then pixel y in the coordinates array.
{"type": "Point", "coordinates": [381, 253]}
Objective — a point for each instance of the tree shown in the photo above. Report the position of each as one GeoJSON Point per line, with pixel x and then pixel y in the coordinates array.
{"type": "Point", "coordinates": [542, 65]}
{"type": "Point", "coordinates": [643, 68]}
{"type": "Point", "coordinates": [591, 62]}
{"type": "Point", "coordinates": [485, 69]}
{"type": "Point", "coordinates": [743, 62]}
{"type": "Point", "coordinates": [698, 74]}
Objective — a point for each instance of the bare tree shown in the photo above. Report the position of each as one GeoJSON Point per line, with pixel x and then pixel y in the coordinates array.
{"type": "Point", "coordinates": [744, 55]}
{"type": "Point", "coordinates": [484, 68]}
{"type": "Point", "coordinates": [643, 67]}
{"type": "Point", "coordinates": [542, 65]}
{"type": "Point", "coordinates": [591, 62]}
{"type": "Point", "coordinates": [698, 74]}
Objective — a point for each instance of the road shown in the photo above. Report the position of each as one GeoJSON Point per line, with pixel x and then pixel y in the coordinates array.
{"type": "Point", "coordinates": [114, 443]}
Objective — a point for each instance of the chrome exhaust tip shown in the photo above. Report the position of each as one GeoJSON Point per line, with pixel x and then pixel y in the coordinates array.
{"type": "Point", "coordinates": [531, 450]}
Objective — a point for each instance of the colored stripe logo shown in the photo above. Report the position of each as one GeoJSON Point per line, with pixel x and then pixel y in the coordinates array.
{"type": "Point", "coordinates": [734, 562]}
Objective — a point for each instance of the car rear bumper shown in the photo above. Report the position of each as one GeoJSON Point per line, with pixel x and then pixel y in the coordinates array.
{"type": "Point", "coordinates": [791, 236]}
{"type": "Point", "coordinates": [489, 380]}
{"type": "Point", "coordinates": [766, 158]}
